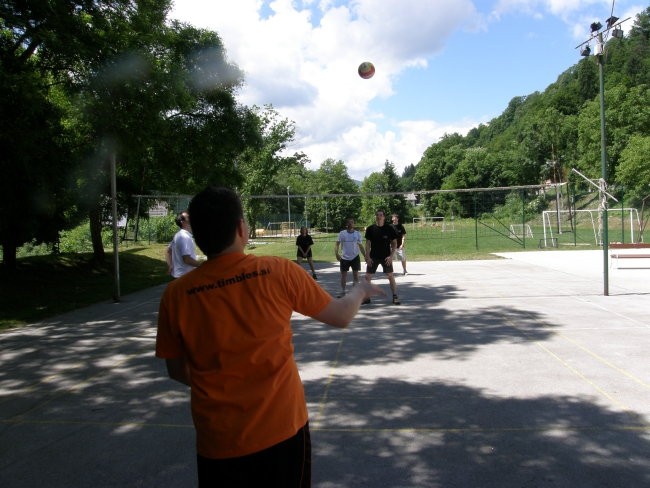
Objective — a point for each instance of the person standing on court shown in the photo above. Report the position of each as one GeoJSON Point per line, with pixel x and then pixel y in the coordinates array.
{"type": "Point", "coordinates": [304, 243]}
{"type": "Point", "coordinates": [400, 252]}
{"type": "Point", "coordinates": [351, 244]}
{"type": "Point", "coordinates": [381, 241]}
{"type": "Point", "coordinates": [225, 330]}
{"type": "Point", "coordinates": [181, 252]}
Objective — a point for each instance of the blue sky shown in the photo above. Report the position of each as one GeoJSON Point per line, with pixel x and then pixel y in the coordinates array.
{"type": "Point", "coordinates": [443, 66]}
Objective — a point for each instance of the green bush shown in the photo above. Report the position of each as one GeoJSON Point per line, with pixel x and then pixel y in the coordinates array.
{"type": "Point", "coordinates": [157, 229]}
{"type": "Point", "coordinates": [512, 208]}
{"type": "Point", "coordinates": [34, 249]}
{"type": "Point", "coordinates": [78, 240]}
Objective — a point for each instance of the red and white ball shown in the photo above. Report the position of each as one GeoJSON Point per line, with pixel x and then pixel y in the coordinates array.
{"type": "Point", "coordinates": [366, 70]}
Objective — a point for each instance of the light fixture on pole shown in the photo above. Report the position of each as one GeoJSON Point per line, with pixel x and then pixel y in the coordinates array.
{"type": "Point", "coordinates": [617, 32]}
{"type": "Point", "coordinates": [612, 25]}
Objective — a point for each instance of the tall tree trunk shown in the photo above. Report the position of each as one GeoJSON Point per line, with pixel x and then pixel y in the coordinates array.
{"type": "Point", "coordinates": [95, 216]}
{"type": "Point", "coordinates": [9, 253]}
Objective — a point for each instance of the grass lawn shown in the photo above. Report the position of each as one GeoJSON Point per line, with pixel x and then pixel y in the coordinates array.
{"type": "Point", "coordinates": [44, 286]}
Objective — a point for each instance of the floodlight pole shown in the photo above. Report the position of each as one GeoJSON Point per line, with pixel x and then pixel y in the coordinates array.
{"type": "Point", "coordinates": [612, 23]}
{"type": "Point", "coordinates": [603, 167]}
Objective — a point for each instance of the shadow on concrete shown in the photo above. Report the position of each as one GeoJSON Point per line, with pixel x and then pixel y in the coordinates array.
{"type": "Point", "coordinates": [84, 402]}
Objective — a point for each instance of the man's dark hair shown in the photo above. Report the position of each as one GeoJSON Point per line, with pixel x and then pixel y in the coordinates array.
{"type": "Point", "coordinates": [180, 218]}
{"type": "Point", "coordinates": [215, 213]}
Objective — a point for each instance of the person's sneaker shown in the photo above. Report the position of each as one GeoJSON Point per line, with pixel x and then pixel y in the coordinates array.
{"type": "Point", "coordinates": [366, 301]}
{"type": "Point", "coordinates": [396, 300]}
{"type": "Point", "coordinates": [405, 272]}
{"type": "Point", "coordinates": [314, 276]}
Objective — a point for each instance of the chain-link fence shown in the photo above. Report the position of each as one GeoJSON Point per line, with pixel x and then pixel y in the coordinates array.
{"type": "Point", "coordinates": [436, 221]}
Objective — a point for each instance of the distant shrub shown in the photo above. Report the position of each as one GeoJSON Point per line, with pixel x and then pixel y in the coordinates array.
{"type": "Point", "coordinates": [157, 229]}
{"type": "Point", "coordinates": [78, 239]}
{"type": "Point", "coordinates": [34, 249]}
{"type": "Point", "coordinates": [512, 207]}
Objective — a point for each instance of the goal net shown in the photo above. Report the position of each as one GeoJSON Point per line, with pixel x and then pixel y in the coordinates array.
{"type": "Point", "coordinates": [428, 221]}
{"type": "Point", "coordinates": [279, 229]}
{"type": "Point", "coordinates": [521, 231]}
{"type": "Point", "coordinates": [572, 220]}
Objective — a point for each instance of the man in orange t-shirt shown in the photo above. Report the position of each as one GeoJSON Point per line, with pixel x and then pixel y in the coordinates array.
{"type": "Point", "coordinates": [225, 330]}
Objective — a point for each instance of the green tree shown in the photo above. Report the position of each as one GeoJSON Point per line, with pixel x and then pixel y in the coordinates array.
{"type": "Point", "coordinates": [158, 98]}
{"type": "Point", "coordinates": [203, 130]}
{"type": "Point", "coordinates": [160, 91]}
{"type": "Point", "coordinates": [382, 191]}
{"type": "Point", "coordinates": [332, 178]}
{"type": "Point", "coordinates": [626, 114]}
{"type": "Point", "coordinates": [438, 162]}
{"type": "Point", "coordinates": [407, 180]}
{"type": "Point", "coordinates": [34, 191]}
{"type": "Point", "coordinates": [40, 41]}
{"type": "Point", "coordinates": [637, 62]}
{"type": "Point", "coordinates": [263, 163]}
{"type": "Point", "coordinates": [634, 169]}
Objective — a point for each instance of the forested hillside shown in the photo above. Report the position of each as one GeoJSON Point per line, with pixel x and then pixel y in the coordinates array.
{"type": "Point", "coordinates": [542, 136]}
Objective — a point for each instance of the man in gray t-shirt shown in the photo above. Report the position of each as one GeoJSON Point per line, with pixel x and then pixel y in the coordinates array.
{"type": "Point", "coordinates": [350, 243]}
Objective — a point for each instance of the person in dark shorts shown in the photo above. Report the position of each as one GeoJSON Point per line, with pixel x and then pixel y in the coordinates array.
{"type": "Point", "coordinates": [304, 243]}
{"type": "Point", "coordinates": [349, 240]}
{"type": "Point", "coordinates": [400, 252]}
{"type": "Point", "coordinates": [381, 242]}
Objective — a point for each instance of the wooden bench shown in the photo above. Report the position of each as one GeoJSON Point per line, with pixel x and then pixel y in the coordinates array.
{"type": "Point", "coordinates": [629, 255]}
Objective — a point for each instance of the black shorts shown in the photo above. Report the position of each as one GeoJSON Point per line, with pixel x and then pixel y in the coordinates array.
{"type": "Point", "coordinates": [355, 264]}
{"type": "Point", "coordinates": [376, 262]}
{"type": "Point", "coordinates": [285, 464]}
{"type": "Point", "coordinates": [300, 256]}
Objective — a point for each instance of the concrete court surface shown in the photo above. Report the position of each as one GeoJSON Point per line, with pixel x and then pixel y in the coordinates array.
{"type": "Point", "coordinates": [513, 372]}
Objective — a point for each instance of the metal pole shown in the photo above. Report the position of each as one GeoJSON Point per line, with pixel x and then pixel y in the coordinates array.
{"type": "Point", "coordinates": [289, 210]}
{"type": "Point", "coordinates": [326, 216]}
{"type": "Point", "coordinates": [557, 209]}
{"type": "Point", "coordinates": [603, 168]}
{"type": "Point", "coordinates": [116, 246]}
{"type": "Point", "coordinates": [523, 216]}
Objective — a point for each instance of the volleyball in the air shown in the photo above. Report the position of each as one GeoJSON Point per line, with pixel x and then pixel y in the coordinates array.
{"type": "Point", "coordinates": [366, 70]}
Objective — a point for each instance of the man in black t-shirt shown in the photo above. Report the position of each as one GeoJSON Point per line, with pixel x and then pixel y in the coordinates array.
{"type": "Point", "coordinates": [381, 241]}
{"type": "Point", "coordinates": [304, 243]}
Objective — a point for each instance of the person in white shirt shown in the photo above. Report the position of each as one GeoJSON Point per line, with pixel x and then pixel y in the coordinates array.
{"type": "Point", "coordinates": [350, 242]}
{"type": "Point", "coordinates": [181, 252]}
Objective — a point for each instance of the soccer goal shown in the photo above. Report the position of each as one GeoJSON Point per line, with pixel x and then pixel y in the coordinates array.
{"type": "Point", "coordinates": [592, 216]}
{"type": "Point", "coordinates": [281, 229]}
{"type": "Point", "coordinates": [428, 221]}
{"type": "Point", "coordinates": [553, 218]}
{"type": "Point", "coordinates": [448, 226]}
{"type": "Point", "coordinates": [521, 231]}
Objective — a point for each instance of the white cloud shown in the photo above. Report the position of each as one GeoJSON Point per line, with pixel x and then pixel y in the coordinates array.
{"type": "Point", "coordinates": [301, 56]}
